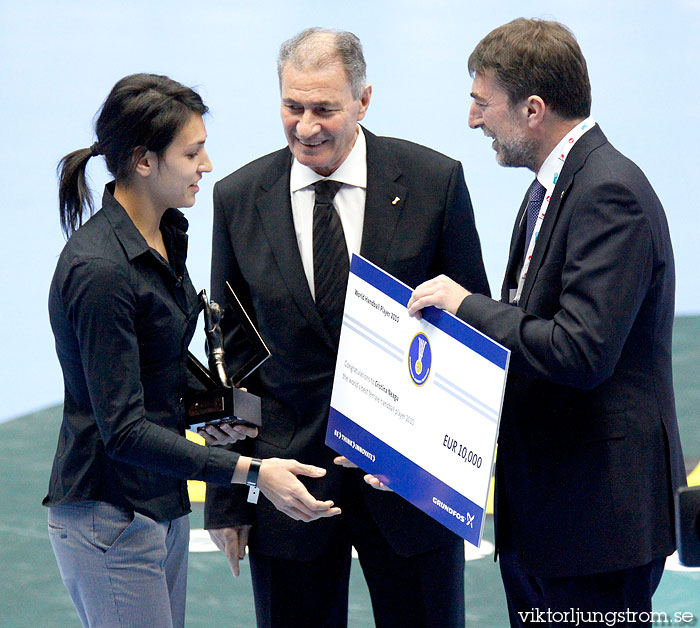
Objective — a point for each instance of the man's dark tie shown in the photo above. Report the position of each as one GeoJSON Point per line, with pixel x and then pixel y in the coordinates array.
{"type": "Point", "coordinates": [331, 265]}
{"type": "Point", "coordinates": [534, 202]}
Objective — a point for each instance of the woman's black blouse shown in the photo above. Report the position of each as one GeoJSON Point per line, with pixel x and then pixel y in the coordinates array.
{"type": "Point", "coordinates": [122, 318]}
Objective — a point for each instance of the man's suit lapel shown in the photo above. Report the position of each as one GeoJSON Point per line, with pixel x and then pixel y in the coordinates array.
{"type": "Point", "coordinates": [574, 162]}
{"type": "Point", "coordinates": [274, 207]}
{"type": "Point", "coordinates": [384, 201]}
{"type": "Point", "coordinates": [515, 256]}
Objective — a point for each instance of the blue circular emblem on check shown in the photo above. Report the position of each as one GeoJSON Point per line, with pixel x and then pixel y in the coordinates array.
{"type": "Point", "coordinates": [420, 359]}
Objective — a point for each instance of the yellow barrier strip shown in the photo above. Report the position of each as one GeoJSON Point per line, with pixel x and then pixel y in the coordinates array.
{"type": "Point", "coordinates": [694, 477]}
{"type": "Point", "coordinates": [195, 488]}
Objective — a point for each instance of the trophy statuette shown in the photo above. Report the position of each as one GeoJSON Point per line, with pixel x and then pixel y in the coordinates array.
{"type": "Point", "coordinates": [220, 401]}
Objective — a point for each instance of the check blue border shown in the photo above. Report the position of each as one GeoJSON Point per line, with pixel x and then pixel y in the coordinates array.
{"type": "Point", "coordinates": [452, 326]}
{"type": "Point", "coordinates": [405, 477]}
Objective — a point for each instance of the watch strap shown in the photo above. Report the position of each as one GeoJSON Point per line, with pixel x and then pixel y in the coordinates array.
{"type": "Point", "coordinates": [253, 472]}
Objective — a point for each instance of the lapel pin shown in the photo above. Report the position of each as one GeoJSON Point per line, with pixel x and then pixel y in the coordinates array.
{"type": "Point", "coordinates": [396, 200]}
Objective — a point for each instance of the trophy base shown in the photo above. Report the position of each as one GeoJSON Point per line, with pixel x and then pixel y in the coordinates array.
{"type": "Point", "coordinates": [223, 405]}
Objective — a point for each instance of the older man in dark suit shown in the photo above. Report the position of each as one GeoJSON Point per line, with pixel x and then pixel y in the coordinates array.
{"type": "Point", "coordinates": [589, 453]}
{"type": "Point", "coordinates": [284, 227]}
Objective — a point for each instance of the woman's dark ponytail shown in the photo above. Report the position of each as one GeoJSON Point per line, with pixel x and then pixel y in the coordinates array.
{"type": "Point", "coordinates": [73, 192]}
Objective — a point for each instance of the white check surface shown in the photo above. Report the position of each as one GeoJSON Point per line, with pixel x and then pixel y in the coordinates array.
{"type": "Point", "coordinates": [417, 402]}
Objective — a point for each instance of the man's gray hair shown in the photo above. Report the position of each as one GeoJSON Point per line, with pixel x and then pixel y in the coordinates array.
{"type": "Point", "coordinates": [316, 48]}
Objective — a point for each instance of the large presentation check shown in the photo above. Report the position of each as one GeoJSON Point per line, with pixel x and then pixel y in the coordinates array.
{"type": "Point", "coordinates": [417, 402]}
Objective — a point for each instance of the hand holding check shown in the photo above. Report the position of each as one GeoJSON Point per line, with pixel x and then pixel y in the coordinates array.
{"type": "Point", "coordinates": [440, 292]}
{"type": "Point", "coordinates": [372, 480]}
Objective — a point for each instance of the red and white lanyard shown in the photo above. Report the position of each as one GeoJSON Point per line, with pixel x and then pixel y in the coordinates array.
{"type": "Point", "coordinates": [547, 176]}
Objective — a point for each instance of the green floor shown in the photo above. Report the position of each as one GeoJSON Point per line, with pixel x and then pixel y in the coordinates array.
{"type": "Point", "coordinates": [32, 595]}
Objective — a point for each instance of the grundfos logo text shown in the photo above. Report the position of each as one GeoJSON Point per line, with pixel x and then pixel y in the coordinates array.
{"type": "Point", "coordinates": [449, 510]}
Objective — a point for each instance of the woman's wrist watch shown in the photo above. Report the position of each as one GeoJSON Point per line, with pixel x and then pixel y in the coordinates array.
{"type": "Point", "coordinates": [252, 480]}
{"type": "Point", "coordinates": [253, 472]}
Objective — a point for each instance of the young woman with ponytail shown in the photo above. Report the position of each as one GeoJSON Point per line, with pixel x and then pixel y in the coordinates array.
{"type": "Point", "coordinates": [123, 311]}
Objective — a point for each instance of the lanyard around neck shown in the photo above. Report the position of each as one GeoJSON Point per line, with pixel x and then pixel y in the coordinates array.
{"type": "Point", "coordinates": [548, 176]}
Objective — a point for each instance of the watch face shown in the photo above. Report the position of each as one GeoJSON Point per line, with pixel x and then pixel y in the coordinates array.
{"type": "Point", "coordinates": [253, 493]}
